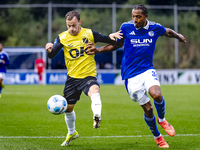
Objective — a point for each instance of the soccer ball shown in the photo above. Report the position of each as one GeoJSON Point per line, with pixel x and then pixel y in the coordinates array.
{"type": "Point", "coordinates": [57, 104]}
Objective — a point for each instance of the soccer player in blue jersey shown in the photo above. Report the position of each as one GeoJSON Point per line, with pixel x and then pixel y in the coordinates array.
{"type": "Point", "coordinates": [4, 62]}
{"type": "Point", "coordinates": [139, 38]}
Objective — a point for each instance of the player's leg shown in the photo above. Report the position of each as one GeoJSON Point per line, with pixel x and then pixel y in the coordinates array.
{"type": "Point", "coordinates": [92, 90]}
{"type": "Point", "coordinates": [1, 82]}
{"type": "Point", "coordinates": [70, 118]}
{"type": "Point", "coordinates": [151, 122]}
{"type": "Point", "coordinates": [153, 87]}
{"type": "Point", "coordinates": [159, 101]}
{"type": "Point", "coordinates": [40, 76]}
{"type": "Point", "coordinates": [72, 95]}
{"type": "Point", "coordinates": [95, 104]}
{"type": "Point", "coordinates": [150, 118]}
{"type": "Point", "coordinates": [138, 94]}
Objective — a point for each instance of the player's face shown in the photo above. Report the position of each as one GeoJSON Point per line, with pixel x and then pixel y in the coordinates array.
{"type": "Point", "coordinates": [139, 18]}
{"type": "Point", "coordinates": [74, 26]}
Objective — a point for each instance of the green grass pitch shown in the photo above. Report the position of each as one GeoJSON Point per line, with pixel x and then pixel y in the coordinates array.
{"type": "Point", "coordinates": [26, 123]}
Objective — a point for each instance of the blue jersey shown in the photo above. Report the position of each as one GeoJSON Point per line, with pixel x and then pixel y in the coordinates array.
{"type": "Point", "coordinates": [139, 46]}
{"type": "Point", "coordinates": [4, 56]}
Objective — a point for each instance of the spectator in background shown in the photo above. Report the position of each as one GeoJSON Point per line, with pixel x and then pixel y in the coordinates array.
{"type": "Point", "coordinates": [39, 67]}
{"type": "Point", "coordinates": [23, 65]}
{"type": "Point", "coordinates": [4, 62]}
{"type": "Point", "coordinates": [108, 65]}
{"type": "Point", "coordinates": [59, 65]}
{"type": "Point", "coordinates": [101, 66]}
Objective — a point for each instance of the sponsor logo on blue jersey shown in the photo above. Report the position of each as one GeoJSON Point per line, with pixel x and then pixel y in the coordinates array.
{"type": "Point", "coordinates": [141, 42]}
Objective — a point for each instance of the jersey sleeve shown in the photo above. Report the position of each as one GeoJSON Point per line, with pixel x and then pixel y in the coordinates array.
{"type": "Point", "coordinates": [162, 29]}
{"type": "Point", "coordinates": [56, 48]}
{"type": "Point", "coordinates": [98, 37]}
{"type": "Point", "coordinates": [7, 61]}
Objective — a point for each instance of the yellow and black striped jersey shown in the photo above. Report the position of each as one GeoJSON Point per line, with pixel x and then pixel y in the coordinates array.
{"type": "Point", "coordinates": [78, 63]}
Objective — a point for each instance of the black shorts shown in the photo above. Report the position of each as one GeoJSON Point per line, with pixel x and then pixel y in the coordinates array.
{"type": "Point", "coordinates": [74, 87]}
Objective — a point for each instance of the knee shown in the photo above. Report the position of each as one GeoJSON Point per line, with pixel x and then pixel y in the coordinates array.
{"type": "Point", "coordinates": [93, 89]}
{"type": "Point", "coordinates": [157, 96]}
{"type": "Point", "coordinates": [149, 111]}
{"type": "Point", "coordinates": [70, 108]}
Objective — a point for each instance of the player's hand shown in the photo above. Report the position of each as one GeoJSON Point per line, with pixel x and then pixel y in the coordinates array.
{"type": "Point", "coordinates": [49, 47]}
{"type": "Point", "coordinates": [117, 35]}
{"type": "Point", "coordinates": [91, 49]}
{"type": "Point", "coordinates": [2, 61]}
{"type": "Point", "coordinates": [181, 38]}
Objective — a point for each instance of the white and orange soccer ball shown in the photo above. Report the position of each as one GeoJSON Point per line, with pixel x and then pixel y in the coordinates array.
{"type": "Point", "coordinates": [57, 104]}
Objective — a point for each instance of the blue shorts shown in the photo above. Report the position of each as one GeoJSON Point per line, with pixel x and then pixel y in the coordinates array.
{"type": "Point", "coordinates": [74, 87]}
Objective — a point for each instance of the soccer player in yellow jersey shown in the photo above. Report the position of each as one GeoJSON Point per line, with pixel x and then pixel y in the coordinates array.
{"type": "Point", "coordinates": [81, 69]}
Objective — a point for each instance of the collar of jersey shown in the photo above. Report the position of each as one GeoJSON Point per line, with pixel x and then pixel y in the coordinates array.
{"type": "Point", "coordinates": [145, 27]}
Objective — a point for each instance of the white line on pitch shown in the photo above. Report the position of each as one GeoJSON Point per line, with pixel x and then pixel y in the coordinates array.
{"type": "Point", "coordinates": [57, 137]}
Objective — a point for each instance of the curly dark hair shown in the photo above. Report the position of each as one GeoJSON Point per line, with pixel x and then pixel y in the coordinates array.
{"type": "Point", "coordinates": [142, 7]}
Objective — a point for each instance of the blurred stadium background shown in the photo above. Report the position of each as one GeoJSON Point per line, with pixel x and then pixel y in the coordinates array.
{"type": "Point", "coordinates": [33, 25]}
{"type": "Point", "coordinates": [27, 25]}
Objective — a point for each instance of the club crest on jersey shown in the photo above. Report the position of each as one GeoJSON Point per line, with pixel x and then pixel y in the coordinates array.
{"type": "Point", "coordinates": [85, 40]}
{"type": "Point", "coordinates": [151, 33]}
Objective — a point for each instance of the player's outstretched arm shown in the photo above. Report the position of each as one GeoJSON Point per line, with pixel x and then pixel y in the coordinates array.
{"type": "Point", "coordinates": [91, 49]}
{"type": "Point", "coordinates": [171, 33]}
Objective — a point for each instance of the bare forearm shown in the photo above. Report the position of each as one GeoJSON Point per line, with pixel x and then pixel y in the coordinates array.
{"type": "Point", "coordinates": [171, 33]}
{"type": "Point", "coordinates": [107, 48]}
{"type": "Point", "coordinates": [91, 49]}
